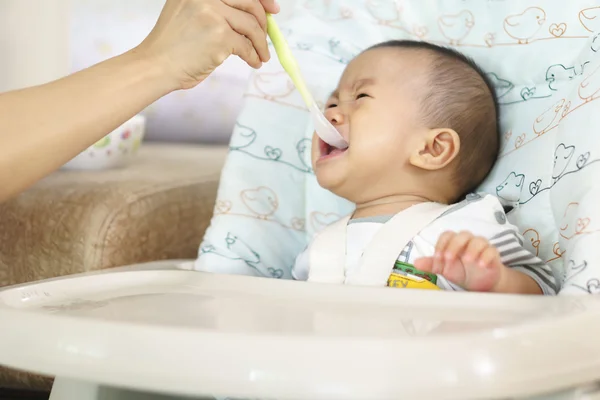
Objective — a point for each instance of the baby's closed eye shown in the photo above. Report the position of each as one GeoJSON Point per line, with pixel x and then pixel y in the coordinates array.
{"type": "Point", "coordinates": [335, 104]}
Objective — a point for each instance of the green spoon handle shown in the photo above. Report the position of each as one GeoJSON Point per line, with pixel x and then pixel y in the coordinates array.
{"type": "Point", "coordinates": [287, 60]}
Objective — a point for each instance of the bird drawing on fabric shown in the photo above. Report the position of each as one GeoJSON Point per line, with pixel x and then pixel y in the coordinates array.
{"type": "Point", "coordinates": [526, 25]}
{"type": "Point", "coordinates": [456, 27]}
{"type": "Point", "coordinates": [502, 86]}
{"type": "Point", "coordinates": [558, 73]}
{"type": "Point", "coordinates": [386, 12]}
{"type": "Point", "coordinates": [273, 85]}
{"type": "Point", "coordinates": [343, 51]}
{"type": "Point", "coordinates": [590, 18]}
{"type": "Point", "coordinates": [304, 148]}
{"type": "Point", "coordinates": [510, 189]}
{"type": "Point", "coordinates": [261, 201]}
{"type": "Point", "coordinates": [243, 136]}
{"type": "Point", "coordinates": [241, 249]}
{"type": "Point", "coordinates": [562, 156]}
{"type": "Point", "coordinates": [589, 88]}
{"type": "Point", "coordinates": [532, 237]}
{"type": "Point", "coordinates": [548, 118]}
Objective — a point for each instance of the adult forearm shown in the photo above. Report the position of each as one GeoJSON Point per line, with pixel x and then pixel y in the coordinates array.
{"type": "Point", "coordinates": [45, 126]}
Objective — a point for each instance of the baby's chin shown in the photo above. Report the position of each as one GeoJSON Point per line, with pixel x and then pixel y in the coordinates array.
{"type": "Point", "coordinates": [331, 180]}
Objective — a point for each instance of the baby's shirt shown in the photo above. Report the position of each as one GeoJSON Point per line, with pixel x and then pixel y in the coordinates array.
{"type": "Point", "coordinates": [482, 215]}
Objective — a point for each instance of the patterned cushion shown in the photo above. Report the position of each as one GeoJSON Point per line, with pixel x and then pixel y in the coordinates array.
{"type": "Point", "coordinates": [543, 60]}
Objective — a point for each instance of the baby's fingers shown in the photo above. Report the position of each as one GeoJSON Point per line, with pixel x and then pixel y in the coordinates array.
{"type": "Point", "coordinates": [456, 246]}
{"type": "Point", "coordinates": [424, 264]}
{"type": "Point", "coordinates": [475, 248]}
{"type": "Point", "coordinates": [442, 243]}
{"type": "Point", "coordinates": [489, 257]}
{"type": "Point", "coordinates": [441, 246]}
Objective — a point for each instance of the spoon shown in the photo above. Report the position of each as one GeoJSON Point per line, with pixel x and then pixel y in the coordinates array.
{"type": "Point", "coordinates": [323, 127]}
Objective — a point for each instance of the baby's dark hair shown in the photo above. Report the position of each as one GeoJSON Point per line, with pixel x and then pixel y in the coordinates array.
{"type": "Point", "coordinates": [460, 97]}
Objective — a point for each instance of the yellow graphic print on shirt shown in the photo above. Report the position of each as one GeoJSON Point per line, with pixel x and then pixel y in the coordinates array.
{"type": "Point", "coordinates": [407, 276]}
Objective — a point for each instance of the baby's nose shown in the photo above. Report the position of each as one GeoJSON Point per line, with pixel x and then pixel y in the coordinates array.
{"type": "Point", "coordinates": [335, 116]}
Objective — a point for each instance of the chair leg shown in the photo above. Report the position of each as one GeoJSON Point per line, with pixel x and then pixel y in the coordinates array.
{"type": "Point", "coordinates": [20, 394]}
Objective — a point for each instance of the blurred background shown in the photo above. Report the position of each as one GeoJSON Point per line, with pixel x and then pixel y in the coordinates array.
{"type": "Point", "coordinates": [44, 40]}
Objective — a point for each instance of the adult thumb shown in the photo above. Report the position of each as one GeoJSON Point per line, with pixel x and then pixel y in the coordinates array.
{"type": "Point", "coordinates": [270, 6]}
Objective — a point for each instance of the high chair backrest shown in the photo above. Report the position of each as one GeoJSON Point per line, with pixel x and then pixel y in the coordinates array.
{"type": "Point", "coordinates": [544, 62]}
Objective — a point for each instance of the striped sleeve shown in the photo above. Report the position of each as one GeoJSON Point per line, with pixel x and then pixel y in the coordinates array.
{"type": "Point", "coordinates": [514, 255]}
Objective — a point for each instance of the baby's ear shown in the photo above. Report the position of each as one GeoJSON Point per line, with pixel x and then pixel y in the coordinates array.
{"type": "Point", "coordinates": [438, 148]}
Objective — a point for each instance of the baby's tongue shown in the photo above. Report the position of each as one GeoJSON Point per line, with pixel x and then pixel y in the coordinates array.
{"type": "Point", "coordinates": [336, 151]}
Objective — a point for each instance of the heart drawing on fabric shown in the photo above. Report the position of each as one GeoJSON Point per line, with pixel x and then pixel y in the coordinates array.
{"type": "Point", "coordinates": [582, 160]}
{"type": "Point", "coordinates": [222, 207]}
{"type": "Point", "coordinates": [207, 249]}
{"type": "Point", "coordinates": [346, 13]}
{"type": "Point", "coordinates": [582, 223]}
{"type": "Point", "coordinates": [558, 30]}
{"type": "Point", "coordinates": [273, 153]}
{"type": "Point", "coordinates": [420, 31]}
{"type": "Point", "coordinates": [593, 286]}
{"type": "Point", "coordinates": [298, 223]}
{"type": "Point", "coordinates": [527, 93]}
{"type": "Point", "coordinates": [534, 187]}
{"type": "Point", "coordinates": [489, 39]}
{"type": "Point", "coordinates": [276, 273]}
{"type": "Point", "coordinates": [519, 141]}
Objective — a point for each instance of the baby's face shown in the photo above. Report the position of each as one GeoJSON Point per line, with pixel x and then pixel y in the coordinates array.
{"type": "Point", "coordinates": [376, 109]}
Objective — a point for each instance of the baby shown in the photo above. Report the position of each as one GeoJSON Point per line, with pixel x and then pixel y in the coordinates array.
{"type": "Point", "coordinates": [422, 126]}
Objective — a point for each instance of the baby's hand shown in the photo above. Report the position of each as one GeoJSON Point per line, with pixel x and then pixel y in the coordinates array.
{"type": "Point", "coordinates": [466, 260]}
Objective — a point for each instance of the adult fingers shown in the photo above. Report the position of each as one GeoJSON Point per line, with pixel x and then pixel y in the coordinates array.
{"type": "Point", "coordinates": [242, 47]}
{"type": "Point", "coordinates": [252, 7]}
{"type": "Point", "coordinates": [270, 6]}
{"type": "Point", "coordinates": [245, 24]}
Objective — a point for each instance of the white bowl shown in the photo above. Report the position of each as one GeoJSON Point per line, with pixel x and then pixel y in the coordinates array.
{"type": "Point", "coordinates": [114, 150]}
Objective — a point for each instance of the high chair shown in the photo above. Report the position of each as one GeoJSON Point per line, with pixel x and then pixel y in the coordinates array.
{"type": "Point", "coordinates": [167, 328]}
{"type": "Point", "coordinates": [161, 331]}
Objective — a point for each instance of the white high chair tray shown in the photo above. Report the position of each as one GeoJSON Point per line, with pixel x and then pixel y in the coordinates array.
{"type": "Point", "coordinates": [152, 327]}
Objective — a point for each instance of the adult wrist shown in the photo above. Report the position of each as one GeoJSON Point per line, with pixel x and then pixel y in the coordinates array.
{"type": "Point", "coordinates": [154, 70]}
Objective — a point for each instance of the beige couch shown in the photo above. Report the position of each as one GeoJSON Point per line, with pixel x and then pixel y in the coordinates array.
{"type": "Point", "coordinates": [158, 207]}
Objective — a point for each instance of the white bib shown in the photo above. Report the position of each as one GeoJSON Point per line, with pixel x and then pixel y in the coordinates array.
{"type": "Point", "coordinates": [328, 251]}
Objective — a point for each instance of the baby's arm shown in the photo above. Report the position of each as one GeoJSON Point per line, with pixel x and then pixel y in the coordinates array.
{"type": "Point", "coordinates": [476, 264]}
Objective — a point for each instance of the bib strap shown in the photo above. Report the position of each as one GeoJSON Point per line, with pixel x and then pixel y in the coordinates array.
{"type": "Point", "coordinates": [379, 257]}
{"type": "Point", "coordinates": [327, 257]}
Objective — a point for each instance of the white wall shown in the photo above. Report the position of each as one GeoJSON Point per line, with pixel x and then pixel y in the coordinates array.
{"type": "Point", "coordinates": [34, 42]}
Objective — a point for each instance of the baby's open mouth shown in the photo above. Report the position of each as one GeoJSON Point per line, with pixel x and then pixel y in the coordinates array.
{"type": "Point", "coordinates": [328, 151]}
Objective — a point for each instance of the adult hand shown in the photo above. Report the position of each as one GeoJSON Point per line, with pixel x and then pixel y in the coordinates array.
{"type": "Point", "coordinates": [193, 37]}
